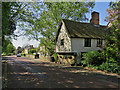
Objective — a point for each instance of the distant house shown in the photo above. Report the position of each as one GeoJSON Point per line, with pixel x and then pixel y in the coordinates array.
{"type": "Point", "coordinates": [26, 48]}
{"type": "Point", "coordinates": [75, 38]}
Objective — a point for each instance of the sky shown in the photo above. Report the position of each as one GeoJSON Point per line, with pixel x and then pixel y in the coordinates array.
{"type": "Point", "coordinates": [99, 7]}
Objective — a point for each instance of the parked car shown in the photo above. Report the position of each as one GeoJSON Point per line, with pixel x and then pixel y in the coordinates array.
{"type": "Point", "coordinates": [18, 55]}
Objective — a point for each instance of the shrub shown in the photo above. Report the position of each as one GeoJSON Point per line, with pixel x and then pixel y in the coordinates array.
{"type": "Point", "coordinates": [55, 56]}
{"type": "Point", "coordinates": [31, 51]}
{"type": "Point", "coordinates": [96, 60]}
{"type": "Point", "coordinates": [9, 54]}
{"type": "Point", "coordinates": [23, 54]}
{"type": "Point", "coordinates": [3, 54]}
{"type": "Point", "coordinates": [83, 63]}
{"type": "Point", "coordinates": [111, 67]}
{"type": "Point", "coordinates": [93, 58]}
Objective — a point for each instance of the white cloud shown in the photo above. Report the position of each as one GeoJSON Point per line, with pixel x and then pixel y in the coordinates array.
{"type": "Point", "coordinates": [21, 41]}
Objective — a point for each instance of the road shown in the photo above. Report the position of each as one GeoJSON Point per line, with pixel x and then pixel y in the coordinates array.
{"type": "Point", "coordinates": [33, 73]}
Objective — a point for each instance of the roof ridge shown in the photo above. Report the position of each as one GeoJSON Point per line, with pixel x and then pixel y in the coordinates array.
{"type": "Point", "coordinates": [75, 21]}
{"type": "Point", "coordinates": [82, 22]}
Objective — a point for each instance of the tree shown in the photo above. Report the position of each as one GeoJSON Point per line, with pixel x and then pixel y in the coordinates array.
{"type": "Point", "coordinates": [5, 44]}
{"type": "Point", "coordinates": [10, 48]}
{"type": "Point", "coordinates": [113, 38]}
{"type": "Point", "coordinates": [12, 13]}
{"type": "Point", "coordinates": [45, 27]}
{"type": "Point", "coordinates": [40, 21]}
{"type": "Point", "coordinates": [9, 15]}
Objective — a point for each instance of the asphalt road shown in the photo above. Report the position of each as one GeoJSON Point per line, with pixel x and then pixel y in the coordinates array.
{"type": "Point", "coordinates": [30, 73]}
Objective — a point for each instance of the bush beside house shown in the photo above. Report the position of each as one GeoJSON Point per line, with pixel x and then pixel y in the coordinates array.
{"type": "Point", "coordinates": [98, 60]}
{"type": "Point", "coordinates": [94, 58]}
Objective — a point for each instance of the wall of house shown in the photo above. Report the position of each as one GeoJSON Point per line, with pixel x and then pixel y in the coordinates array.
{"type": "Point", "coordinates": [77, 45]}
{"type": "Point", "coordinates": [26, 51]}
{"type": "Point", "coordinates": [67, 41]}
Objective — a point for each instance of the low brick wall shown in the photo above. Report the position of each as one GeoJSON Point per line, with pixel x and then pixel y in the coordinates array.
{"type": "Point", "coordinates": [31, 56]}
{"type": "Point", "coordinates": [44, 57]}
{"type": "Point", "coordinates": [40, 57]}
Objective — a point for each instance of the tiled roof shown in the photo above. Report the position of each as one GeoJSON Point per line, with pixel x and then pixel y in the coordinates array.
{"type": "Point", "coordinates": [86, 30]}
{"type": "Point", "coordinates": [83, 30]}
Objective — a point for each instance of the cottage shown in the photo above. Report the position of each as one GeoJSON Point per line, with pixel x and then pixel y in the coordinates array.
{"type": "Point", "coordinates": [75, 38]}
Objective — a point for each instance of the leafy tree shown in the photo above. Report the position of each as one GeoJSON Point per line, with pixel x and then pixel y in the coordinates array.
{"type": "Point", "coordinates": [10, 48]}
{"type": "Point", "coordinates": [113, 38]}
{"type": "Point", "coordinates": [40, 21]}
{"type": "Point", "coordinates": [48, 46]}
{"type": "Point", "coordinates": [8, 22]}
{"type": "Point", "coordinates": [12, 12]}
{"type": "Point", "coordinates": [6, 42]}
{"type": "Point", "coordinates": [45, 27]}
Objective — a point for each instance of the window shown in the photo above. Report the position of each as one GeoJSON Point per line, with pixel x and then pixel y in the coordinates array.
{"type": "Point", "coordinates": [99, 42]}
{"type": "Point", "coordinates": [62, 42]}
{"type": "Point", "coordinates": [87, 42]}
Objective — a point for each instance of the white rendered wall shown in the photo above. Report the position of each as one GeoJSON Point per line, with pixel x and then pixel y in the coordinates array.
{"type": "Point", "coordinates": [77, 45]}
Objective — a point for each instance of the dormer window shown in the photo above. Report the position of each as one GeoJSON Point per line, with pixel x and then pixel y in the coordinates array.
{"type": "Point", "coordinates": [62, 42]}
{"type": "Point", "coordinates": [99, 42]}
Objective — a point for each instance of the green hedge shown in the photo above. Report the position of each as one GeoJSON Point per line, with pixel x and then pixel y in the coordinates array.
{"type": "Point", "coordinates": [9, 54]}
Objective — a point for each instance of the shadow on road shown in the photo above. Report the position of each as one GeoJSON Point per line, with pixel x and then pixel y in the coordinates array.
{"type": "Point", "coordinates": [25, 73]}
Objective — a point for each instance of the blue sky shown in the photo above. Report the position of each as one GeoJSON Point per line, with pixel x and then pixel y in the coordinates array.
{"type": "Point", "coordinates": [99, 7]}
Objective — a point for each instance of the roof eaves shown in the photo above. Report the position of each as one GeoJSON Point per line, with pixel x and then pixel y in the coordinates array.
{"type": "Point", "coordinates": [58, 31]}
{"type": "Point", "coordinates": [67, 30]}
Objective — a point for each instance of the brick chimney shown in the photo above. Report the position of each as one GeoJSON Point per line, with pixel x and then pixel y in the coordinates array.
{"type": "Point", "coordinates": [94, 18]}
